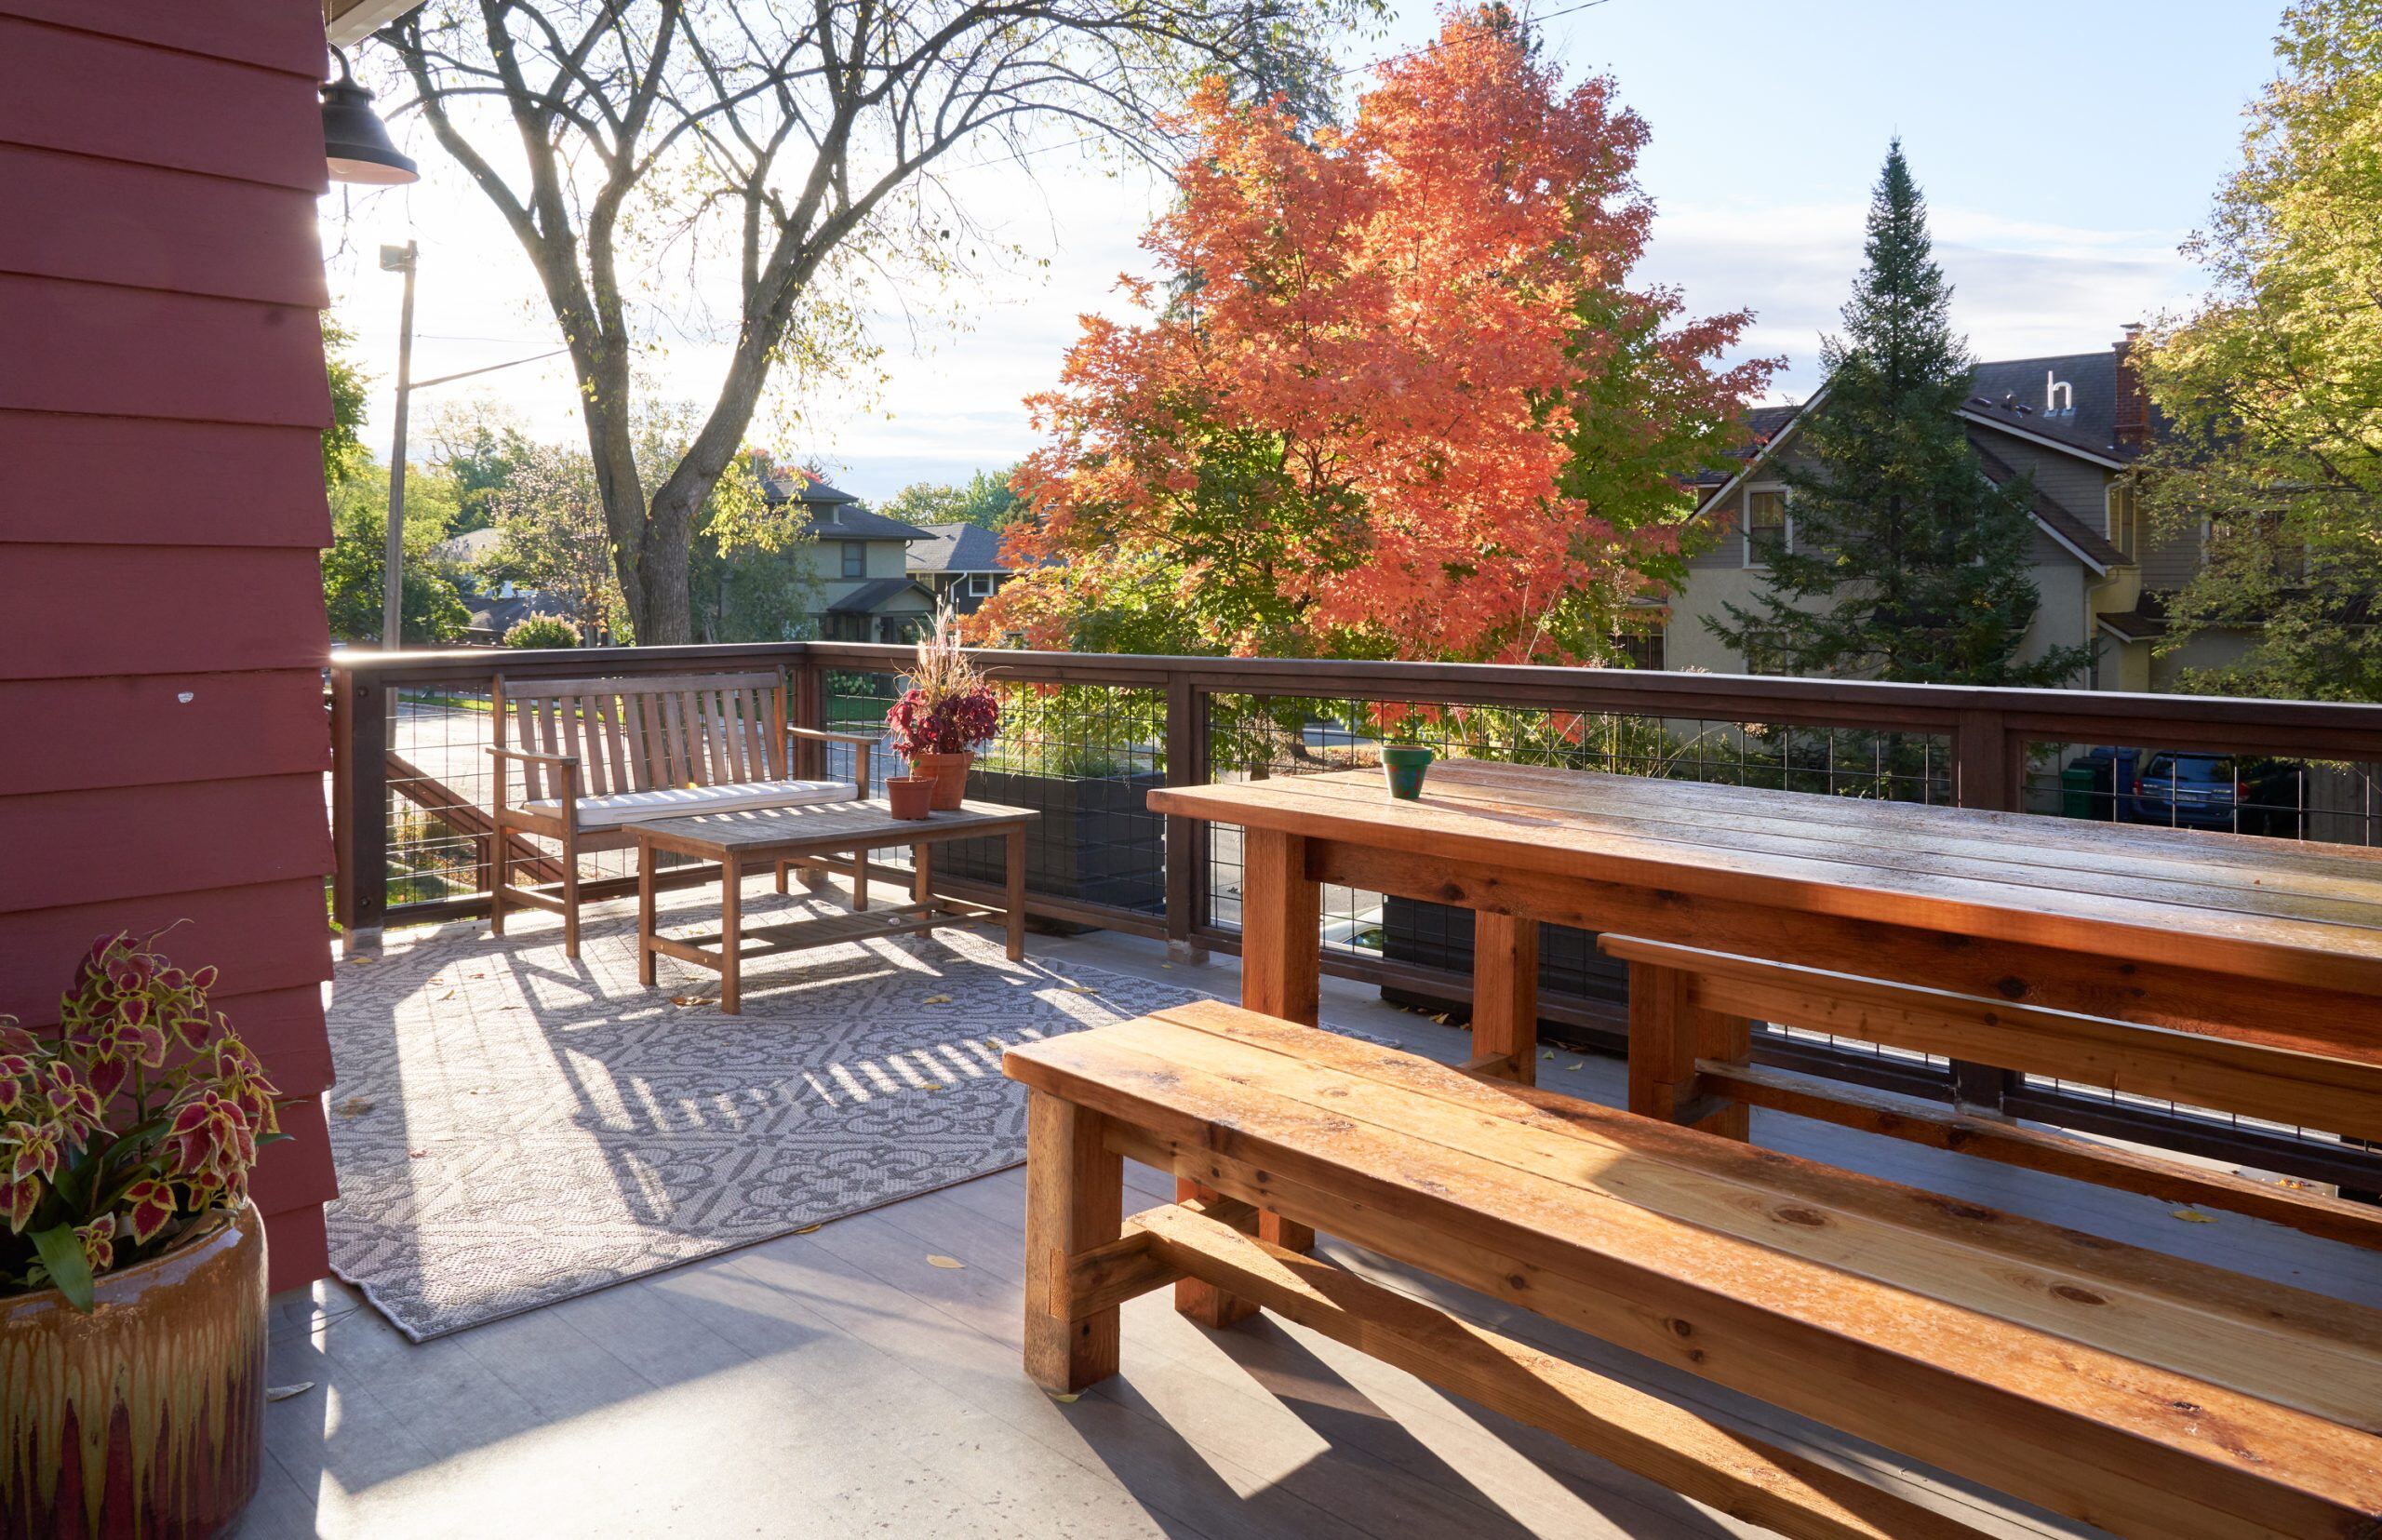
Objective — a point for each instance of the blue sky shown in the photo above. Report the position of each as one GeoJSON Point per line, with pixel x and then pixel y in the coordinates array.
{"type": "Point", "coordinates": [2066, 150]}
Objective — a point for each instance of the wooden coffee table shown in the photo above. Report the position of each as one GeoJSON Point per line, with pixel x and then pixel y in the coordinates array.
{"type": "Point", "coordinates": [812, 837]}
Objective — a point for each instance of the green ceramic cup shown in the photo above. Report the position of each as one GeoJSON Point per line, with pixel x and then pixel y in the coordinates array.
{"type": "Point", "coordinates": [1402, 765]}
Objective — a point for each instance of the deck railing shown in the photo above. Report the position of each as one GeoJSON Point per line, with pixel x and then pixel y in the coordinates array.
{"type": "Point", "coordinates": [1088, 734]}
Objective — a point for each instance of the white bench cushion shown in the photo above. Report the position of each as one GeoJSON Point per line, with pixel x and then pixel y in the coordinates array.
{"type": "Point", "coordinates": [643, 806]}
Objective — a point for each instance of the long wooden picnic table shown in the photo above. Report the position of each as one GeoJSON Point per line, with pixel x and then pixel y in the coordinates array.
{"type": "Point", "coordinates": [2268, 941]}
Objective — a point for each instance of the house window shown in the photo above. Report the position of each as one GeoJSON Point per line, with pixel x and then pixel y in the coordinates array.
{"type": "Point", "coordinates": [855, 559]}
{"type": "Point", "coordinates": [1643, 645]}
{"type": "Point", "coordinates": [1766, 528]}
{"type": "Point", "coordinates": [981, 585]}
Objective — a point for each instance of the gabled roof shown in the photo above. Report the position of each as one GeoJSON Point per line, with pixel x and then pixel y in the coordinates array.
{"type": "Point", "coordinates": [960, 548]}
{"type": "Point", "coordinates": [2066, 400]}
{"type": "Point", "coordinates": [2086, 543]}
{"type": "Point", "coordinates": [873, 594]}
{"type": "Point", "coordinates": [793, 484]}
{"type": "Point", "coordinates": [851, 521]}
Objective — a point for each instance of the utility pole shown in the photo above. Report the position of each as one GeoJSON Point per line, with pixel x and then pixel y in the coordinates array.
{"type": "Point", "coordinates": [398, 258]}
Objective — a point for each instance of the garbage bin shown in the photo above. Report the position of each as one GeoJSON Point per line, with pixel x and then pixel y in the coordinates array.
{"type": "Point", "coordinates": [2085, 789]}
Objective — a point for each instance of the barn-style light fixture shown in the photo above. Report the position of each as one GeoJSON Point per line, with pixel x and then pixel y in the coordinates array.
{"type": "Point", "coordinates": [356, 143]}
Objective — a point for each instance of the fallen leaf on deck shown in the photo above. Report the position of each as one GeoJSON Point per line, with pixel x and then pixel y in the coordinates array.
{"type": "Point", "coordinates": [1064, 1397]}
{"type": "Point", "coordinates": [807, 1229]}
{"type": "Point", "coordinates": [283, 1392]}
{"type": "Point", "coordinates": [945, 1261]}
{"type": "Point", "coordinates": [355, 1107]}
{"type": "Point", "coordinates": [352, 961]}
{"type": "Point", "coordinates": [936, 999]}
{"type": "Point", "coordinates": [1082, 989]}
{"type": "Point", "coordinates": [449, 995]}
{"type": "Point", "coordinates": [691, 1000]}
{"type": "Point", "coordinates": [932, 1085]}
{"type": "Point", "coordinates": [1548, 1055]}
{"type": "Point", "coordinates": [2190, 1216]}
{"type": "Point", "coordinates": [416, 1154]}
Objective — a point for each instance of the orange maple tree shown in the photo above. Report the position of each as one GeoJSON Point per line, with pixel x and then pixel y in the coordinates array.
{"type": "Point", "coordinates": [1394, 396]}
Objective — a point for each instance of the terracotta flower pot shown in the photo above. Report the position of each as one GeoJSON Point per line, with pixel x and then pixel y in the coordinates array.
{"type": "Point", "coordinates": [912, 795]}
{"type": "Point", "coordinates": [950, 772]}
{"type": "Point", "coordinates": [145, 1417]}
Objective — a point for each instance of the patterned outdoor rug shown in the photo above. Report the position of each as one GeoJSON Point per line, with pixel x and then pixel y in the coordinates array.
{"type": "Point", "coordinates": [512, 1129]}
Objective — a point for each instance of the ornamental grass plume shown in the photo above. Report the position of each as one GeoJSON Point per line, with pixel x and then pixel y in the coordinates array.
{"type": "Point", "coordinates": [949, 707]}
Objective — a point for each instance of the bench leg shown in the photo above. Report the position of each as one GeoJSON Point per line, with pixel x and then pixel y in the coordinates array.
{"type": "Point", "coordinates": [1505, 993]}
{"type": "Point", "coordinates": [731, 935]}
{"type": "Point", "coordinates": [500, 875]}
{"type": "Point", "coordinates": [1074, 1200]}
{"type": "Point", "coordinates": [570, 891]}
{"type": "Point", "coordinates": [922, 872]}
{"type": "Point", "coordinates": [859, 879]}
{"type": "Point", "coordinates": [1667, 1032]}
{"type": "Point", "coordinates": [645, 855]}
{"type": "Point", "coordinates": [1281, 927]}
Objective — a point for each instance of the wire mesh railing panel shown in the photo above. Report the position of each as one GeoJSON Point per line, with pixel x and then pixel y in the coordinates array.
{"type": "Point", "coordinates": [2331, 802]}
{"type": "Point", "coordinates": [1084, 756]}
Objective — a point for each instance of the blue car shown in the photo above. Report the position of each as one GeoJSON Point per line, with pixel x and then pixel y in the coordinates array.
{"type": "Point", "coordinates": [2239, 793]}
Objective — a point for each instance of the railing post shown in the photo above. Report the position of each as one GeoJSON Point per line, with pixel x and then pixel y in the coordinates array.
{"type": "Point", "coordinates": [808, 706]}
{"type": "Point", "coordinates": [359, 809]}
{"type": "Point", "coordinates": [1991, 765]}
{"type": "Point", "coordinates": [1186, 765]}
{"type": "Point", "coordinates": [1990, 762]}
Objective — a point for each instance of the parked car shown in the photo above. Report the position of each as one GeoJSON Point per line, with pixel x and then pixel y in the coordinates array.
{"type": "Point", "coordinates": [2242, 793]}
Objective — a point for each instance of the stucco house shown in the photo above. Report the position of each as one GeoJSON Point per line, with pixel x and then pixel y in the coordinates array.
{"type": "Point", "coordinates": [861, 560]}
{"type": "Point", "coordinates": [2073, 423]}
{"type": "Point", "coordinates": [961, 563]}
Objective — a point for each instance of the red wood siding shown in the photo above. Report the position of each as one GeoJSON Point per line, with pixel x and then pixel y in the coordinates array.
{"type": "Point", "coordinates": [161, 510]}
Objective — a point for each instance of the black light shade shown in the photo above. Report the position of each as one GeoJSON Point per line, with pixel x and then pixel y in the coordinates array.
{"type": "Point", "coordinates": [356, 143]}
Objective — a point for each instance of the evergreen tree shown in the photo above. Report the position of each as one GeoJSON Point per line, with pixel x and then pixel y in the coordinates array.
{"type": "Point", "coordinates": [1905, 562]}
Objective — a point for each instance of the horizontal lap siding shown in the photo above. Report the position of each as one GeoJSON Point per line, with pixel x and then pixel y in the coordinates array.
{"type": "Point", "coordinates": [161, 512]}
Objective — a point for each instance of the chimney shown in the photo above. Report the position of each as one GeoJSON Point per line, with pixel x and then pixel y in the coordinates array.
{"type": "Point", "coordinates": [2132, 426]}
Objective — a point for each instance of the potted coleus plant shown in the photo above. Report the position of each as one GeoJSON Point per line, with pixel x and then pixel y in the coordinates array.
{"type": "Point", "coordinates": [132, 1272]}
{"type": "Point", "coordinates": [948, 711]}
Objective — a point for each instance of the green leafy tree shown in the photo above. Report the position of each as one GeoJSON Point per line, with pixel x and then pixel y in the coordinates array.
{"type": "Point", "coordinates": [987, 500]}
{"type": "Point", "coordinates": [430, 608]}
{"type": "Point", "coordinates": [555, 539]}
{"type": "Point", "coordinates": [481, 445]}
{"type": "Point", "coordinates": [2271, 390]}
{"type": "Point", "coordinates": [1906, 563]}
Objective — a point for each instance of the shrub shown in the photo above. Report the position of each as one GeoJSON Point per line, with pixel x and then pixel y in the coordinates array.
{"type": "Point", "coordinates": [543, 631]}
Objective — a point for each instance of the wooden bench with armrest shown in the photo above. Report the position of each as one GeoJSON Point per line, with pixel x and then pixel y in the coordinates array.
{"type": "Point", "coordinates": [1691, 1018]}
{"type": "Point", "coordinates": [598, 757]}
{"type": "Point", "coordinates": [2151, 1395]}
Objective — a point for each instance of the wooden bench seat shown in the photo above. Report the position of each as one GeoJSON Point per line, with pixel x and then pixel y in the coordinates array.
{"type": "Point", "coordinates": [1691, 1049]}
{"type": "Point", "coordinates": [2151, 1395]}
{"type": "Point", "coordinates": [598, 756]}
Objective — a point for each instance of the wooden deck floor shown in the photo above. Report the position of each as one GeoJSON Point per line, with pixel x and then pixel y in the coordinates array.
{"type": "Point", "coordinates": [839, 1383]}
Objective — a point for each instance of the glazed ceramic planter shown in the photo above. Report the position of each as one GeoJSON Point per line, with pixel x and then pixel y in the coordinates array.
{"type": "Point", "coordinates": [950, 772]}
{"type": "Point", "coordinates": [1402, 765]}
{"type": "Point", "coordinates": [146, 1417]}
{"type": "Point", "coordinates": [912, 795]}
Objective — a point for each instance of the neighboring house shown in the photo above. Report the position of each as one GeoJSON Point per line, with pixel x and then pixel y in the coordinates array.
{"type": "Point", "coordinates": [495, 606]}
{"type": "Point", "coordinates": [961, 563]}
{"type": "Point", "coordinates": [861, 560]}
{"type": "Point", "coordinates": [2074, 423]}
